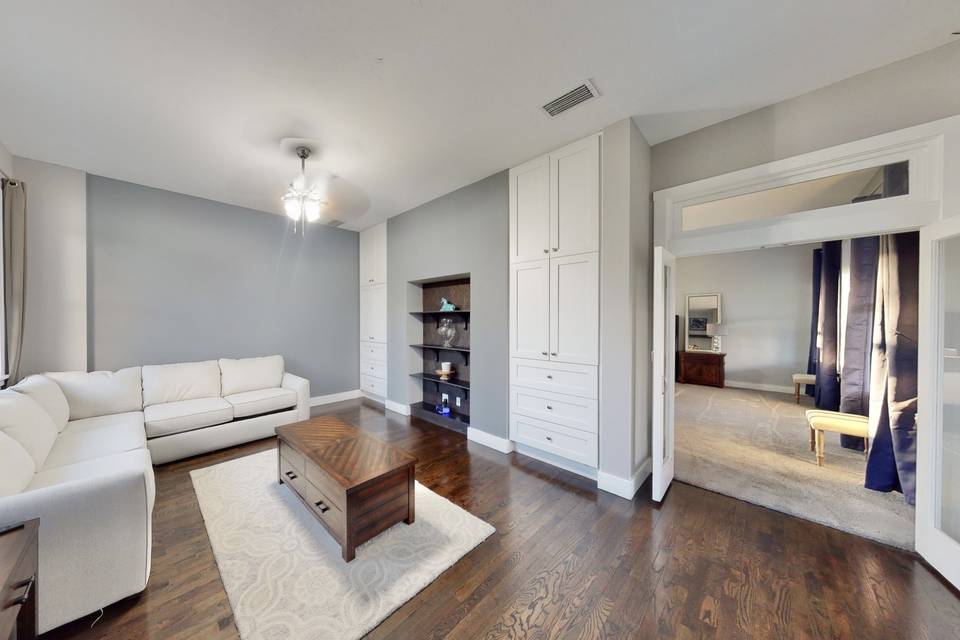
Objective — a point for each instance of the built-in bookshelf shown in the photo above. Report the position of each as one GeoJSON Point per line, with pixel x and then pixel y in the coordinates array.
{"type": "Point", "coordinates": [433, 350]}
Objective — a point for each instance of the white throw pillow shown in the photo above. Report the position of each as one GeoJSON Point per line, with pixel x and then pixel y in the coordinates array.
{"type": "Point", "coordinates": [182, 381]}
{"type": "Point", "coordinates": [18, 467]}
{"type": "Point", "coordinates": [250, 374]}
{"type": "Point", "coordinates": [48, 395]}
{"type": "Point", "coordinates": [100, 393]}
{"type": "Point", "coordinates": [24, 420]}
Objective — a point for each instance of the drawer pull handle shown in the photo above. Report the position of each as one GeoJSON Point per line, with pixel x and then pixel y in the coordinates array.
{"type": "Point", "coordinates": [26, 585]}
{"type": "Point", "coordinates": [549, 377]}
{"type": "Point", "coordinates": [291, 475]}
{"type": "Point", "coordinates": [543, 353]}
{"type": "Point", "coordinates": [546, 250]}
{"type": "Point", "coordinates": [322, 507]}
{"type": "Point", "coordinates": [556, 248]}
{"type": "Point", "coordinates": [553, 353]}
{"type": "Point", "coordinates": [549, 408]}
{"type": "Point", "coordinates": [549, 439]}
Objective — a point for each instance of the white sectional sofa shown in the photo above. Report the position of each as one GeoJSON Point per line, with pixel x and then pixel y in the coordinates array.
{"type": "Point", "coordinates": [77, 449]}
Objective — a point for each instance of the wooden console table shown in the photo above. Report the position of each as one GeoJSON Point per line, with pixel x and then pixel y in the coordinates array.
{"type": "Point", "coordinates": [18, 574]}
{"type": "Point", "coordinates": [702, 367]}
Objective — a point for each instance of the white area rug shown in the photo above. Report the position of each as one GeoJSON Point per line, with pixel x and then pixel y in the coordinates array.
{"type": "Point", "coordinates": [754, 446]}
{"type": "Point", "coordinates": [283, 572]}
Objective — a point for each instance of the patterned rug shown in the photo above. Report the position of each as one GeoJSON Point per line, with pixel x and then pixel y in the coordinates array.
{"type": "Point", "coordinates": [283, 572]}
{"type": "Point", "coordinates": [754, 445]}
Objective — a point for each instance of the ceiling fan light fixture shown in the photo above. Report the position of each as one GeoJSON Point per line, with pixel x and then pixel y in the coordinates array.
{"type": "Point", "coordinates": [300, 202]}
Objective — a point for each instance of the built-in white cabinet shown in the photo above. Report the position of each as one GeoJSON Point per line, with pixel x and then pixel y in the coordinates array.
{"type": "Point", "coordinates": [373, 255]}
{"type": "Point", "coordinates": [373, 311]}
{"type": "Point", "coordinates": [555, 203]}
{"type": "Point", "coordinates": [555, 302]}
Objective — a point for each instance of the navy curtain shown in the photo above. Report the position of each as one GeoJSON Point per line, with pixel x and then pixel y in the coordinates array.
{"type": "Point", "coordinates": [828, 385]}
{"type": "Point", "coordinates": [812, 356]}
{"type": "Point", "coordinates": [858, 334]}
{"type": "Point", "coordinates": [892, 462]}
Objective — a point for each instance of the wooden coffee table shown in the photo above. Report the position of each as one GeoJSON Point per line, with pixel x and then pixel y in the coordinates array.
{"type": "Point", "coordinates": [356, 485]}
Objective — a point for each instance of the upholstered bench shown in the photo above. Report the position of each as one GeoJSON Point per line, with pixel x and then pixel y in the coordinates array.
{"type": "Point", "coordinates": [849, 424]}
{"type": "Point", "coordinates": [800, 379]}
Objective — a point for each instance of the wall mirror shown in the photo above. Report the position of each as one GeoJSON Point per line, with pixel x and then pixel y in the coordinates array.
{"type": "Point", "coordinates": [704, 322]}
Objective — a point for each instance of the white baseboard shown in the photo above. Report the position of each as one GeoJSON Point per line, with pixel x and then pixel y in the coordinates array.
{"type": "Point", "coordinates": [396, 407]}
{"type": "Point", "coordinates": [757, 386]}
{"type": "Point", "coordinates": [567, 465]}
{"type": "Point", "coordinates": [489, 440]}
{"type": "Point", "coordinates": [330, 398]}
{"type": "Point", "coordinates": [624, 487]}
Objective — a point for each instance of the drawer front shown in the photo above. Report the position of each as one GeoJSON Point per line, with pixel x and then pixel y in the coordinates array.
{"type": "Point", "coordinates": [294, 457]}
{"type": "Point", "coordinates": [373, 351]}
{"type": "Point", "coordinates": [292, 476]}
{"type": "Point", "coordinates": [373, 368]}
{"type": "Point", "coordinates": [326, 485]}
{"type": "Point", "coordinates": [574, 379]}
{"type": "Point", "coordinates": [569, 411]}
{"type": "Point", "coordinates": [323, 507]}
{"type": "Point", "coordinates": [571, 444]}
{"type": "Point", "coordinates": [376, 386]}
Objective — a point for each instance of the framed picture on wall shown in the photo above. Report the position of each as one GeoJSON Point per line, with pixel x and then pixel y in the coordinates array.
{"type": "Point", "coordinates": [697, 326]}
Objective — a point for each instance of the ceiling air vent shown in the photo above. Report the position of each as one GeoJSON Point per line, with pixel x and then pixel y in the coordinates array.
{"type": "Point", "coordinates": [333, 223]}
{"type": "Point", "coordinates": [570, 99]}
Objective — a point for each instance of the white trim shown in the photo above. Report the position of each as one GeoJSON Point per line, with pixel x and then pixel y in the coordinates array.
{"type": "Point", "coordinates": [567, 465]}
{"type": "Point", "coordinates": [625, 487]}
{"type": "Point", "coordinates": [760, 386]}
{"type": "Point", "coordinates": [489, 440]}
{"type": "Point", "coordinates": [330, 398]}
{"type": "Point", "coordinates": [396, 407]}
{"type": "Point", "coordinates": [372, 397]}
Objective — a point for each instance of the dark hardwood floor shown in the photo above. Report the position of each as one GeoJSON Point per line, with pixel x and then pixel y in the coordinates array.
{"type": "Point", "coordinates": [569, 561]}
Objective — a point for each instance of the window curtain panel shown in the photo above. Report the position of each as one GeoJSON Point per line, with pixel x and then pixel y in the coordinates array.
{"type": "Point", "coordinates": [828, 385]}
{"type": "Point", "coordinates": [814, 319]}
{"type": "Point", "coordinates": [892, 462]}
{"type": "Point", "coordinates": [14, 268]}
{"type": "Point", "coordinates": [858, 332]}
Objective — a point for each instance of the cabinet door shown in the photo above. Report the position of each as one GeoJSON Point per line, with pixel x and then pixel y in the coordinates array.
{"type": "Point", "coordinates": [373, 313]}
{"type": "Point", "coordinates": [530, 210]}
{"type": "Point", "coordinates": [575, 198]}
{"type": "Point", "coordinates": [574, 308]}
{"type": "Point", "coordinates": [529, 309]}
{"type": "Point", "coordinates": [373, 255]}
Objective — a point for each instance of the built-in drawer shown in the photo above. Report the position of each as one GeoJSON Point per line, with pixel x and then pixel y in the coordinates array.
{"type": "Point", "coordinates": [373, 368]}
{"type": "Point", "coordinates": [376, 386]}
{"type": "Point", "coordinates": [558, 377]}
{"type": "Point", "coordinates": [560, 408]}
{"type": "Point", "coordinates": [294, 457]}
{"type": "Point", "coordinates": [571, 444]}
{"type": "Point", "coordinates": [373, 351]}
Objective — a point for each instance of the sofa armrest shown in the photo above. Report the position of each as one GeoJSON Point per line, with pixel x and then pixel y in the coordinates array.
{"type": "Point", "coordinates": [302, 388]}
{"type": "Point", "coordinates": [95, 538]}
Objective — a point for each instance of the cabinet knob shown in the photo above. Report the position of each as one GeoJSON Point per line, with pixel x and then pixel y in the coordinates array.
{"type": "Point", "coordinates": [549, 439]}
{"type": "Point", "coordinates": [549, 377]}
{"type": "Point", "coordinates": [556, 248]}
{"type": "Point", "coordinates": [546, 250]}
{"type": "Point", "coordinates": [549, 408]}
{"type": "Point", "coordinates": [543, 353]}
{"type": "Point", "coordinates": [553, 353]}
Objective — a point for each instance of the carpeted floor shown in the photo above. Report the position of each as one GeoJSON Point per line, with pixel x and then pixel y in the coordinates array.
{"type": "Point", "coordinates": [754, 445]}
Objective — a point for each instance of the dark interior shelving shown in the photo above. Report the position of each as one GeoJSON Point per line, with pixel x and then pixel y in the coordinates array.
{"type": "Point", "coordinates": [456, 421]}
{"type": "Point", "coordinates": [453, 382]}
{"type": "Point", "coordinates": [440, 347]}
{"type": "Point", "coordinates": [439, 313]}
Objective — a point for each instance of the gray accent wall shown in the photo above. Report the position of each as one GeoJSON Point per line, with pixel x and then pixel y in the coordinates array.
{"type": "Point", "coordinates": [462, 232]}
{"type": "Point", "coordinates": [173, 278]}
{"type": "Point", "coordinates": [919, 89]}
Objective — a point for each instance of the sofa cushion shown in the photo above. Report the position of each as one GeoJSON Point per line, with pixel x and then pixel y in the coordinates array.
{"type": "Point", "coordinates": [100, 393]}
{"type": "Point", "coordinates": [138, 460]}
{"type": "Point", "coordinates": [24, 420]}
{"type": "Point", "coordinates": [97, 437]}
{"type": "Point", "coordinates": [174, 417]}
{"type": "Point", "coordinates": [181, 381]}
{"type": "Point", "coordinates": [252, 403]}
{"type": "Point", "coordinates": [18, 467]}
{"type": "Point", "coordinates": [48, 395]}
{"type": "Point", "coordinates": [250, 374]}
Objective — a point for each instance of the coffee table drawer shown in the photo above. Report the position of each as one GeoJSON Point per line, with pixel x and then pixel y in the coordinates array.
{"type": "Point", "coordinates": [292, 476]}
{"type": "Point", "coordinates": [326, 485]}
{"type": "Point", "coordinates": [324, 508]}
{"type": "Point", "coordinates": [293, 456]}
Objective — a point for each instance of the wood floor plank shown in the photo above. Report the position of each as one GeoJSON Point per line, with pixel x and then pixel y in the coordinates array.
{"type": "Point", "coordinates": [569, 561]}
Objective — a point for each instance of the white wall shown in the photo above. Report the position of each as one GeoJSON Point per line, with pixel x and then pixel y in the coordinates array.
{"type": "Point", "coordinates": [55, 313]}
{"type": "Point", "coordinates": [766, 308]}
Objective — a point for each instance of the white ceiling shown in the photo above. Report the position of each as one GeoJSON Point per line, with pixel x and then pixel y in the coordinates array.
{"type": "Point", "coordinates": [409, 99]}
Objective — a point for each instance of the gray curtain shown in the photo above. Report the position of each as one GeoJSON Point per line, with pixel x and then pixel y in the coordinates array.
{"type": "Point", "coordinates": [14, 268]}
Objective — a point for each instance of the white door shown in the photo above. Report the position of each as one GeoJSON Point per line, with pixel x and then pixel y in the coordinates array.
{"type": "Point", "coordinates": [373, 313]}
{"type": "Point", "coordinates": [366, 258]}
{"type": "Point", "coordinates": [664, 364]}
{"type": "Point", "coordinates": [938, 419]}
{"type": "Point", "coordinates": [373, 255]}
{"type": "Point", "coordinates": [530, 309]}
{"type": "Point", "coordinates": [530, 210]}
{"type": "Point", "coordinates": [575, 198]}
{"type": "Point", "coordinates": [575, 308]}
